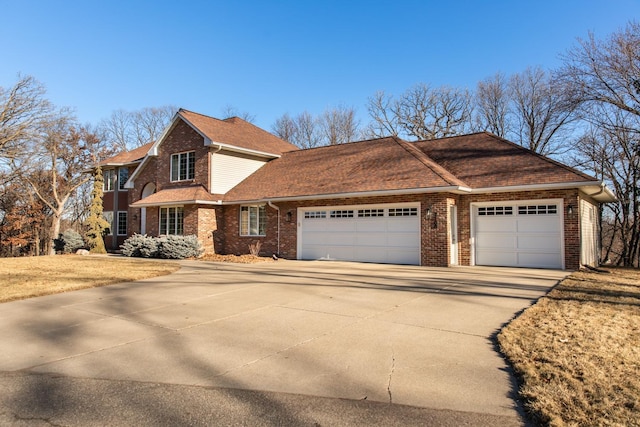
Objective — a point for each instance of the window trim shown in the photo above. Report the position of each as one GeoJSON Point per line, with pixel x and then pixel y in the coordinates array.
{"type": "Point", "coordinates": [107, 180]}
{"type": "Point", "coordinates": [122, 182]}
{"type": "Point", "coordinates": [188, 177]}
{"type": "Point", "coordinates": [261, 225]}
{"type": "Point", "coordinates": [120, 232]}
{"type": "Point", "coordinates": [108, 216]}
{"type": "Point", "coordinates": [168, 219]}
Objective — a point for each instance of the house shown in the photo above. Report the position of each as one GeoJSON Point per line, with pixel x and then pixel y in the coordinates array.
{"type": "Point", "coordinates": [465, 200]}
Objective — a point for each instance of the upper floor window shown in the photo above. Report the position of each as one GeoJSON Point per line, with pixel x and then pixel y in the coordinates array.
{"type": "Point", "coordinates": [253, 220]}
{"type": "Point", "coordinates": [123, 176]}
{"type": "Point", "coordinates": [109, 176]}
{"type": "Point", "coordinates": [183, 166]}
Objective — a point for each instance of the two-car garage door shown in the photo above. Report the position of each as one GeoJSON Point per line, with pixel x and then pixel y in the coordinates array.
{"type": "Point", "coordinates": [368, 233]}
{"type": "Point", "coordinates": [518, 234]}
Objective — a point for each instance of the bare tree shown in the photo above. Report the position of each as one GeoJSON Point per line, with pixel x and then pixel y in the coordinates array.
{"type": "Point", "coordinates": [381, 108]}
{"type": "Point", "coordinates": [130, 129]}
{"type": "Point", "coordinates": [302, 130]}
{"type": "Point", "coordinates": [543, 112]}
{"type": "Point", "coordinates": [338, 125]}
{"type": "Point", "coordinates": [59, 161]}
{"type": "Point", "coordinates": [285, 128]}
{"type": "Point", "coordinates": [602, 78]}
{"type": "Point", "coordinates": [231, 111]}
{"type": "Point", "coordinates": [421, 112]}
{"type": "Point", "coordinates": [23, 110]}
{"type": "Point", "coordinates": [492, 105]}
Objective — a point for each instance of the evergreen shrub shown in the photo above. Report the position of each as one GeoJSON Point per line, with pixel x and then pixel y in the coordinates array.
{"type": "Point", "coordinates": [167, 247]}
{"type": "Point", "coordinates": [68, 242]}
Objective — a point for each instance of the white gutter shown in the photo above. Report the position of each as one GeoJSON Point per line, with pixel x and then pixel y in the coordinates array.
{"type": "Point", "coordinates": [176, 203]}
{"type": "Point", "coordinates": [601, 188]}
{"type": "Point", "coordinates": [450, 189]}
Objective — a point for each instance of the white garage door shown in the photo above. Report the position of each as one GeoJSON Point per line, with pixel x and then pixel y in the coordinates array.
{"type": "Point", "coordinates": [522, 234]}
{"type": "Point", "coordinates": [378, 233]}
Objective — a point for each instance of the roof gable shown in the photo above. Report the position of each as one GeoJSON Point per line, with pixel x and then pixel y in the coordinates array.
{"type": "Point", "coordinates": [127, 157]}
{"type": "Point", "coordinates": [236, 133]}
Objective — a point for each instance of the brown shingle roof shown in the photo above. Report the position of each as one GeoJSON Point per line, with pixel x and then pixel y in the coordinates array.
{"type": "Point", "coordinates": [178, 196]}
{"type": "Point", "coordinates": [384, 164]}
{"type": "Point", "coordinates": [238, 133]}
{"type": "Point", "coordinates": [484, 160]}
{"type": "Point", "coordinates": [127, 157]}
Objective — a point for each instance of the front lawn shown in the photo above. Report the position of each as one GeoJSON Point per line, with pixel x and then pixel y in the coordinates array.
{"type": "Point", "coordinates": [28, 277]}
{"type": "Point", "coordinates": [577, 351]}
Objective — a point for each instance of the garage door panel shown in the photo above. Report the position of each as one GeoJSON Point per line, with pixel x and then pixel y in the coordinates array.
{"type": "Point", "coordinates": [370, 225]}
{"type": "Point", "coordinates": [403, 239]}
{"type": "Point", "coordinates": [371, 239]}
{"type": "Point", "coordinates": [338, 239]}
{"type": "Point", "coordinates": [411, 257]}
{"type": "Point", "coordinates": [492, 257]}
{"type": "Point", "coordinates": [493, 225]}
{"type": "Point", "coordinates": [540, 242]}
{"type": "Point", "coordinates": [403, 224]}
{"type": "Point", "coordinates": [540, 260]}
{"type": "Point", "coordinates": [495, 241]}
{"type": "Point", "coordinates": [537, 224]}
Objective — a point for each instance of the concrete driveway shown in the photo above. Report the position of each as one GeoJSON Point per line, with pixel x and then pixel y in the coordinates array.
{"type": "Point", "coordinates": [379, 334]}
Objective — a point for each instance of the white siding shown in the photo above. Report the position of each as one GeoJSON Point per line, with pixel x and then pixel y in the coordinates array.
{"type": "Point", "coordinates": [588, 234]}
{"type": "Point", "coordinates": [229, 169]}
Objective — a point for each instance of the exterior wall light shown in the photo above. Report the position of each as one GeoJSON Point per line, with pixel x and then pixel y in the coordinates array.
{"type": "Point", "coordinates": [570, 209]}
{"type": "Point", "coordinates": [289, 215]}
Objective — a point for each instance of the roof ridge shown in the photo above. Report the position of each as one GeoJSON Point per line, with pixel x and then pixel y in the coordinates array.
{"type": "Point", "coordinates": [436, 168]}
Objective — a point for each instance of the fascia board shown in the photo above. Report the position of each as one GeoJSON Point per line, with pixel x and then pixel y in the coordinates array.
{"type": "Point", "coordinates": [448, 189]}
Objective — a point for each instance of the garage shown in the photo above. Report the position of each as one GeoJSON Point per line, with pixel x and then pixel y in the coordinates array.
{"type": "Point", "coordinates": [518, 234]}
{"type": "Point", "coordinates": [367, 233]}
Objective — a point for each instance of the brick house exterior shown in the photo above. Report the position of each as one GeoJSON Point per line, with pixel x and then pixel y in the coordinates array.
{"type": "Point", "coordinates": [473, 199]}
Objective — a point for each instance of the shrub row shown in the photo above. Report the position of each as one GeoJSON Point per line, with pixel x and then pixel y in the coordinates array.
{"type": "Point", "coordinates": [68, 242]}
{"type": "Point", "coordinates": [166, 247]}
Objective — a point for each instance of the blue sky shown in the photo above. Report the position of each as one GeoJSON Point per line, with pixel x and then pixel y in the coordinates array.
{"type": "Point", "coordinates": [273, 57]}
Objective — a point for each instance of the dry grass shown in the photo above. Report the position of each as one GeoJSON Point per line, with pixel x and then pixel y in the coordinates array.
{"type": "Point", "coordinates": [242, 259]}
{"type": "Point", "coordinates": [577, 351]}
{"type": "Point", "coordinates": [36, 276]}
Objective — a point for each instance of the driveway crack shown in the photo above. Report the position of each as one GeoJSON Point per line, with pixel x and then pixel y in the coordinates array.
{"type": "Point", "coordinates": [393, 368]}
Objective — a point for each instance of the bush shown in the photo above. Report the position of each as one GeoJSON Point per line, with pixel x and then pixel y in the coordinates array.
{"type": "Point", "coordinates": [167, 247]}
{"type": "Point", "coordinates": [179, 247]}
{"type": "Point", "coordinates": [140, 245]}
{"type": "Point", "coordinates": [68, 242]}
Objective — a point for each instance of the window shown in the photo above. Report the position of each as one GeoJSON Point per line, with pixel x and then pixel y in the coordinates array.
{"type": "Point", "coordinates": [183, 166]}
{"type": "Point", "coordinates": [122, 224]}
{"type": "Point", "coordinates": [403, 211]}
{"type": "Point", "coordinates": [108, 216]}
{"type": "Point", "coordinates": [341, 214]}
{"type": "Point", "coordinates": [253, 220]}
{"type": "Point", "coordinates": [368, 213]}
{"type": "Point", "coordinates": [109, 177]}
{"type": "Point", "coordinates": [172, 220]}
{"type": "Point", "coordinates": [315, 214]}
{"type": "Point", "coordinates": [538, 210]}
{"type": "Point", "coordinates": [123, 176]}
{"type": "Point", "coordinates": [495, 210]}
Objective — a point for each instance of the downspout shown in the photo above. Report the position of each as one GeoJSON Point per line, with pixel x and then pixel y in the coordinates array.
{"type": "Point", "coordinates": [278, 209]}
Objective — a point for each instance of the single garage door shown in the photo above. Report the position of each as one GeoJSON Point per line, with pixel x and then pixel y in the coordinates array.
{"type": "Point", "coordinates": [377, 233]}
{"type": "Point", "coordinates": [522, 234]}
